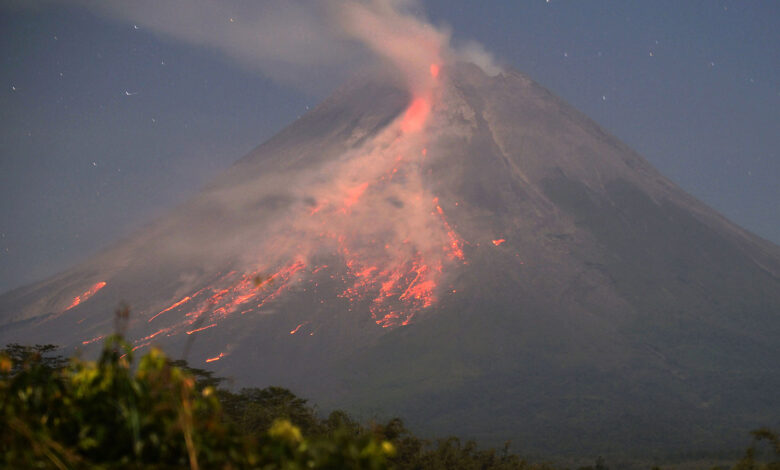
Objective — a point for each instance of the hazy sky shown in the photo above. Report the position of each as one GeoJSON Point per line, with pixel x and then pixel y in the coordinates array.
{"type": "Point", "coordinates": [111, 116]}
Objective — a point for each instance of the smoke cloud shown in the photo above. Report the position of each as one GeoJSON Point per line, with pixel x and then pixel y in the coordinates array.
{"type": "Point", "coordinates": [369, 204]}
{"type": "Point", "coordinates": [308, 44]}
{"type": "Point", "coordinates": [368, 209]}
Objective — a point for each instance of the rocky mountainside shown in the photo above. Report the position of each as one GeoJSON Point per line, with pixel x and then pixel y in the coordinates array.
{"type": "Point", "coordinates": [483, 261]}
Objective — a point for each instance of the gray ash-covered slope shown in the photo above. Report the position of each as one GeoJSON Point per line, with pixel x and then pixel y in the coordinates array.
{"type": "Point", "coordinates": [516, 273]}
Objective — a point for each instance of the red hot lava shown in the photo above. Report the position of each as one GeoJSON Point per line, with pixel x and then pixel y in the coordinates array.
{"type": "Point", "coordinates": [416, 115]}
{"type": "Point", "coordinates": [79, 299]}
{"type": "Point", "coordinates": [392, 255]}
{"type": "Point", "coordinates": [216, 358]}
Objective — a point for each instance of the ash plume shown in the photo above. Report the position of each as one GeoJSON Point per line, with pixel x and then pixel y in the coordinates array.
{"type": "Point", "coordinates": [364, 207]}
{"type": "Point", "coordinates": [312, 45]}
{"type": "Point", "coordinates": [368, 207]}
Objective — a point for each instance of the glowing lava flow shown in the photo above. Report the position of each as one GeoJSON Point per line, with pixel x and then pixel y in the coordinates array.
{"type": "Point", "coordinates": [223, 297]}
{"type": "Point", "coordinates": [398, 286]}
{"type": "Point", "coordinates": [416, 115]}
{"type": "Point", "coordinates": [201, 328]}
{"type": "Point", "coordinates": [216, 358]}
{"type": "Point", "coordinates": [298, 328]}
{"type": "Point", "coordinates": [79, 299]}
{"type": "Point", "coordinates": [499, 241]}
{"type": "Point", "coordinates": [96, 338]}
{"type": "Point", "coordinates": [383, 233]}
{"type": "Point", "coordinates": [182, 301]}
{"type": "Point", "coordinates": [455, 246]}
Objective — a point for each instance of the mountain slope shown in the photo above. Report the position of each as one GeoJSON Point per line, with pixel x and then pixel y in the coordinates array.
{"type": "Point", "coordinates": [485, 261]}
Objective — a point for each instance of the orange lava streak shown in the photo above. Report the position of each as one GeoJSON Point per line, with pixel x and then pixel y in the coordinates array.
{"type": "Point", "coordinates": [416, 115]}
{"type": "Point", "coordinates": [158, 332]}
{"type": "Point", "coordinates": [420, 272]}
{"type": "Point", "coordinates": [242, 299]}
{"type": "Point", "coordinates": [182, 301]}
{"type": "Point", "coordinates": [388, 285]}
{"type": "Point", "coordinates": [285, 274]}
{"type": "Point", "coordinates": [196, 313]}
{"type": "Point", "coordinates": [226, 299]}
{"type": "Point", "coordinates": [456, 246]}
{"type": "Point", "coordinates": [86, 295]}
{"type": "Point", "coordinates": [142, 345]}
{"type": "Point", "coordinates": [201, 328]}
{"type": "Point", "coordinates": [422, 291]}
{"type": "Point", "coordinates": [389, 320]}
{"type": "Point", "coordinates": [96, 338]}
{"type": "Point", "coordinates": [394, 280]}
{"type": "Point", "coordinates": [216, 358]}
{"type": "Point", "coordinates": [398, 292]}
{"type": "Point", "coordinates": [397, 288]}
{"type": "Point", "coordinates": [499, 241]}
{"type": "Point", "coordinates": [298, 328]}
{"type": "Point", "coordinates": [319, 268]}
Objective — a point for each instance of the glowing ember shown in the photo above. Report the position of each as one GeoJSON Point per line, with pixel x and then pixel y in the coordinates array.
{"type": "Point", "coordinates": [96, 338]}
{"type": "Point", "coordinates": [298, 328]}
{"type": "Point", "coordinates": [455, 245]}
{"type": "Point", "coordinates": [499, 241]}
{"type": "Point", "coordinates": [182, 301]}
{"type": "Point", "coordinates": [201, 328]}
{"type": "Point", "coordinates": [79, 299]}
{"type": "Point", "coordinates": [397, 292]}
{"type": "Point", "coordinates": [230, 292]}
{"type": "Point", "coordinates": [435, 70]}
{"type": "Point", "coordinates": [139, 346]}
{"type": "Point", "coordinates": [216, 358]}
{"type": "Point", "coordinates": [284, 275]}
{"type": "Point", "coordinates": [146, 338]}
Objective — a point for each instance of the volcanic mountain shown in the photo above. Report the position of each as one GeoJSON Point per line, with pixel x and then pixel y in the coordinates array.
{"type": "Point", "coordinates": [480, 259]}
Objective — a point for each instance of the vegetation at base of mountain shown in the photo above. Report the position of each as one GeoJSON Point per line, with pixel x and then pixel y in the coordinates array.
{"type": "Point", "coordinates": [63, 414]}
{"type": "Point", "coordinates": [108, 414]}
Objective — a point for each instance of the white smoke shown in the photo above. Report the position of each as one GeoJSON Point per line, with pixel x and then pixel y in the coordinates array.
{"type": "Point", "coordinates": [376, 209]}
{"type": "Point", "coordinates": [303, 43]}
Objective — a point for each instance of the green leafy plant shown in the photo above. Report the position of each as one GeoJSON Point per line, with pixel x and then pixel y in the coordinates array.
{"type": "Point", "coordinates": [105, 414]}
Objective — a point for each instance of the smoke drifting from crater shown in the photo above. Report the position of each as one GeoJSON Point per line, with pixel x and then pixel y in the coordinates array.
{"type": "Point", "coordinates": [365, 218]}
{"type": "Point", "coordinates": [312, 45]}
{"type": "Point", "coordinates": [408, 43]}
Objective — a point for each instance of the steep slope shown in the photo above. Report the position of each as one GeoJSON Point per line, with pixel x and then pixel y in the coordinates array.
{"type": "Point", "coordinates": [485, 261]}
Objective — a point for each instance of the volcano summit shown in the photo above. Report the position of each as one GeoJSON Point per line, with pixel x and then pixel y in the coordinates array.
{"type": "Point", "coordinates": [473, 255]}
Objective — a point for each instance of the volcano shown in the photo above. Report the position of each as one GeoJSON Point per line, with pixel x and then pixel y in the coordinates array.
{"type": "Point", "coordinates": [478, 258]}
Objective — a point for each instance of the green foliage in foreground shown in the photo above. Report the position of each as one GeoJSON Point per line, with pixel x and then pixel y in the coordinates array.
{"type": "Point", "coordinates": [64, 414]}
{"type": "Point", "coordinates": [103, 414]}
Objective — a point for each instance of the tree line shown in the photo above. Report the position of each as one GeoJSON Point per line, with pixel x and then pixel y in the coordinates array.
{"type": "Point", "coordinates": [158, 413]}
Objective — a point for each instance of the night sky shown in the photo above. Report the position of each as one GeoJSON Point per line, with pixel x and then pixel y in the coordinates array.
{"type": "Point", "coordinates": [106, 124]}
